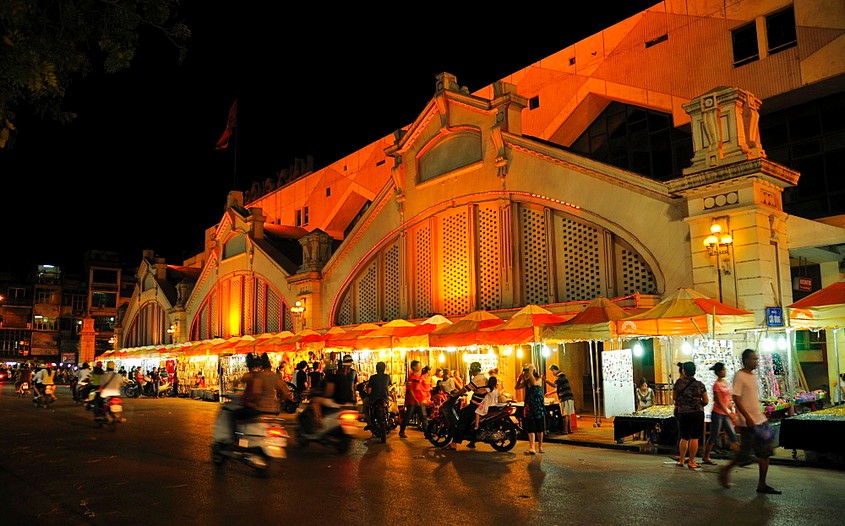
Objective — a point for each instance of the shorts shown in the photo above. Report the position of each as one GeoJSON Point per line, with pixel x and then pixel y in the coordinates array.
{"type": "Point", "coordinates": [567, 407]}
{"type": "Point", "coordinates": [534, 425]}
{"type": "Point", "coordinates": [747, 444]}
{"type": "Point", "coordinates": [691, 425]}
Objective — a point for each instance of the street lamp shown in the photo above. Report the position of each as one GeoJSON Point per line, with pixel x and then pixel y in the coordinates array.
{"type": "Point", "coordinates": [298, 310]}
{"type": "Point", "coordinates": [718, 243]}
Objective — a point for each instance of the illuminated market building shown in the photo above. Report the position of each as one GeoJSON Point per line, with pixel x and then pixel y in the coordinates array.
{"type": "Point", "coordinates": [696, 145]}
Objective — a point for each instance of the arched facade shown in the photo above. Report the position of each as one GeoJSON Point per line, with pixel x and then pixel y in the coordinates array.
{"type": "Point", "coordinates": [458, 262]}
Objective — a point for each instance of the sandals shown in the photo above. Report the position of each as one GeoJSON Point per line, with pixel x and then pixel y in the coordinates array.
{"type": "Point", "coordinates": [542, 451]}
{"type": "Point", "coordinates": [770, 490]}
{"type": "Point", "coordinates": [530, 452]}
{"type": "Point", "coordinates": [694, 465]}
{"type": "Point", "coordinates": [709, 462]}
{"type": "Point", "coordinates": [680, 464]}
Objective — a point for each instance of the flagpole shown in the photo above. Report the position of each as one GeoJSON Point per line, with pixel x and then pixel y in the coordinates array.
{"type": "Point", "coordinates": [235, 162]}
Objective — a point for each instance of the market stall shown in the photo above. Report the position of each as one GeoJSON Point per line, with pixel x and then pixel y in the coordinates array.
{"type": "Point", "coordinates": [819, 431]}
{"type": "Point", "coordinates": [657, 421]}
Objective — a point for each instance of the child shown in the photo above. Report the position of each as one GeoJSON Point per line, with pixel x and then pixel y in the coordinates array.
{"type": "Point", "coordinates": [491, 398]}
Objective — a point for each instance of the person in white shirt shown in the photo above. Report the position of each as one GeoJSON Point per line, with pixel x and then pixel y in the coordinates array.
{"type": "Point", "coordinates": [751, 421]}
{"type": "Point", "coordinates": [44, 377]}
{"type": "Point", "coordinates": [490, 399]}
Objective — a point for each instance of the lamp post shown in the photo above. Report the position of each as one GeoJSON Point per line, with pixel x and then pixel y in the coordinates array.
{"type": "Point", "coordinates": [718, 243]}
{"type": "Point", "coordinates": [298, 313]}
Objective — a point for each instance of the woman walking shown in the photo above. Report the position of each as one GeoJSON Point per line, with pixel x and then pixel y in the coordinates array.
{"type": "Point", "coordinates": [690, 398]}
{"type": "Point", "coordinates": [534, 418]}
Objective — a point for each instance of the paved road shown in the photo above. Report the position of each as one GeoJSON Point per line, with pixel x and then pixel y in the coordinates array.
{"type": "Point", "coordinates": [57, 469]}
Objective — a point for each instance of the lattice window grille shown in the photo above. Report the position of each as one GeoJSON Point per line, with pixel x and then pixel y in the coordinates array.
{"type": "Point", "coordinates": [368, 296]}
{"type": "Point", "coordinates": [422, 285]}
{"type": "Point", "coordinates": [274, 311]}
{"type": "Point", "coordinates": [344, 311]}
{"type": "Point", "coordinates": [535, 267]}
{"type": "Point", "coordinates": [489, 265]}
{"type": "Point", "coordinates": [455, 265]}
{"type": "Point", "coordinates": [214, 316]}
{"type": "Point", "coordinates": [582, 273]}
{"type": "Point", "coordinates": [233, 309]}
{"type": "Point", "coordinates": [249, 306]}
{"type": "Point", "coordinates": [204, 321]}
{"type": "Point", "coordinates": [636, 275]}
{"type": "Point", "coordinates": [391, 283]}
{"type": "Point", "coordinates": [261, 299]}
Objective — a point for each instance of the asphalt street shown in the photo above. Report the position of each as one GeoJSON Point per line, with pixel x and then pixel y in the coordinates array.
{"type": "Point", "coordinates": [56, 468]}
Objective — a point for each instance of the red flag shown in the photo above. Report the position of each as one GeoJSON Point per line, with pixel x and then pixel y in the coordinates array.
{"type": "Point", "coordinates": [232, 123]}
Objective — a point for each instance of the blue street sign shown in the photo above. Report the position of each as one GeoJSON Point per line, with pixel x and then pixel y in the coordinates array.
{"type": "Point", "coordinates": [774, 316]}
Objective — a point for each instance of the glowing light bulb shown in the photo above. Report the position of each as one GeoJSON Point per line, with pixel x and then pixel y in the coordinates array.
{"type": "Point", "coordinates": [686, 347]}
{"type": "Point", "coordinates": [638, 349]}
{"type": "Point", "coordinates": [768, 344]}
{"type": "Point", "coordinates": [546, 352]}
{"type": "Point", "coordinates": [519, 353]}
{"type": "Point", "coordinates": [782, 343]}
{"type": "Point", "coordinates": [441, 358]}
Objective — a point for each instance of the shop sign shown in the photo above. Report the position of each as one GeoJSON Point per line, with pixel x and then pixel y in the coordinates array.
{"type": "Point", "coordinates": [774, 316]}
{"type": "Point", "coordinates": [802, 284]}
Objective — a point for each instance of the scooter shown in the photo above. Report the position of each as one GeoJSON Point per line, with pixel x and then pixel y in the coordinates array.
{"type": "Point", "coordinates": [109, 415]}
{"type": "Point", "coordinates": [336, 429]}
{"type": "Point", "coordinates": [498, 427]}
{"type": "Point", "coordinates": [80, 390]}
{"type": "Point", "coordinates": [257, 441]}
{"type": "Point", "coordinates": [23, 389]}
{"type": "Point", "coordinates": [46, 398]}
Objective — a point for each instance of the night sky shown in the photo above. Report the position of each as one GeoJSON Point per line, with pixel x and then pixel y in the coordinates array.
{"type": "Point", "coordinates": [138, 168]}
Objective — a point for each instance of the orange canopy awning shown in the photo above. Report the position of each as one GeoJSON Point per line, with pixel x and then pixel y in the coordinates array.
{"type": "Point", "coordinates": [687, 313]}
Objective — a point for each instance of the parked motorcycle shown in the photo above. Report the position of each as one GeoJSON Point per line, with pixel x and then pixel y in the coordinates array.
{"type": "Point", "coordinates": [131, 388]}
{"type": "Point", "coordinates": [46, 398]}
{"type": "Point", "coordinates": [257, 441]}
{"type": "Point", "coordinates": [498, 427]}
{"type": "Point", "coordinates": [108, 413]}
{"type": "Point", "coordinates": [336, 429]}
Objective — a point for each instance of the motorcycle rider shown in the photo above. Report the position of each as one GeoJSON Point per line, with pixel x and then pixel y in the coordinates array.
{"type": "Point", "coordinates": [83, 382]}
{"type": "Point", "coordinates": [378, 389]}
{"type": "Point", "coordinates": [44, 377]}
{"type": "Point", "coordinates": [261, 386]}
{"type": "Point", "coordinates": [477, 385]}
{"type": "Point", "coordinates": [109, 386]}
{"type": "Point", "coordinates": [340, 389]}
{"type": "Point", "coordinates": [24, 376]}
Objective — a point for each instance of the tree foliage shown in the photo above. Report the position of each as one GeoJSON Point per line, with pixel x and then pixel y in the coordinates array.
{"type": "Point", "coordinates": [46, 44]}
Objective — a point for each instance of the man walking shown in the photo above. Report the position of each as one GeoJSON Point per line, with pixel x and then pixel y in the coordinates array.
{"type": "Point", "coordinates": [564, 396]}
{"type": "Point", "coordinates": [754, 432]}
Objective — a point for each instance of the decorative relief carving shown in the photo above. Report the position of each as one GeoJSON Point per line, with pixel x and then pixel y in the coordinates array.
{"type": "Point", "coordinates": [715, 201]}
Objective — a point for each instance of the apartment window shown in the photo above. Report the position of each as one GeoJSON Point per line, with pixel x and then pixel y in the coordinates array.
{"type": "Point", "coordinates": [328, 191]}
{"type": "Point", "coordinates": [780, 30]}
{"type": "Point", "coordinates": [298, 221]}
{"type": "Point", "coordinates": [534, 102]}
{"type": "Point", "coordinates": [305, 215]}
{"type": "Point", "coordinates": [103, 300]}
{"type": "Point", "coordinates": [45, 323]}
{"type": "Point", "coordinates": [662, 38]}
{"type": "Point", "coordinates": [745, 44]}
{"type": "Point", "coordinates": [45, 296]}
{"type": "Point", "coordinates": [637, 139]}
{"type": "Point", "coordinates": [571, 61]}
{"type": "Point", "coordinates": [810, 138]}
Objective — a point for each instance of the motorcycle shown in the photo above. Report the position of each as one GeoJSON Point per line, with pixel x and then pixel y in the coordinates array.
{"type": "Point", "coordinates": [46, 398]}
{"type": "Point", "coordinates": [108, 413]}
{"type": "Point", "coordinates": [131, 388]}
{"type": "Point", "coordinates": [498, 427]}
{"type": "Point", "coordinates": [23, 389]}
{"type": "Point", "coordinates": [257, 441]}
{"type": "Point", "coordinates": [379, 419]}
{"type": "Point", "coordinates": [80, 390]}
{"type": "Point", "coordinates": [337, 427]}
